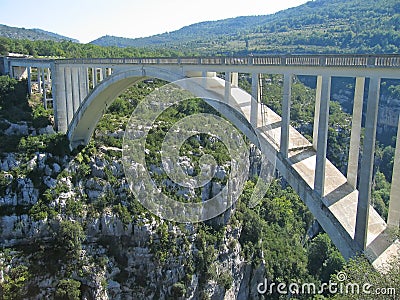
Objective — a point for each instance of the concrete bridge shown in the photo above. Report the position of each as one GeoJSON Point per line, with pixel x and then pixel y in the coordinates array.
{"type": "Point", "coordinates": [82, 89]}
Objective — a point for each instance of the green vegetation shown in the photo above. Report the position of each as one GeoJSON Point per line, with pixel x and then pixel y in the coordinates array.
{"type": "Point", "coordinates": [68, 289]}
{"type": "Point", "coordinates": [14, 285]}
{"type": "Point", "coordinates": [31, 34]}
{"type": "Point", "coordinates": [321, 26]}
{"type": "Point", "coordinates": [69, 49]}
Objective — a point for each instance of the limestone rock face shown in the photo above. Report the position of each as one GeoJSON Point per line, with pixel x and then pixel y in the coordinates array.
{"type": "Point", "coordinates": [17, 129]}
{"type": "Point", "coordinates": [123, 256]}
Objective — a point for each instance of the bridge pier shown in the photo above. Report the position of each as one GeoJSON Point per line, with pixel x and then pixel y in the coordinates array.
{"type": "Point", "coordinates": [235, 79]}
{"type": "Point", "coordinates": [29, 81]}
{"type": "Point", "coordinates": [322, 138]}
{"type": "Point", "coordinates": [255, 93]}
{"type": "Point", "coordinates": [68, 94]}
{"type": "Point", "coordinates": [44, 88]}
{"type": "Point", "coordinates": [60, 103]}
{"type": "Point", "coordinates": [316, 110]}
{"type": "Point", "coordinates": [367, 163]}
{"type": "Point", "coordinates": [352, 166]}
{"type": "Point", "coordinates": [94, 76]}
{"type": "Point", "coordinates": [394, 204]}
{"type": "Point", "coordinates": [228, 87]}
{"type": "Point", "coordinates": [83, 83]}
{"type": "Point", "coordinates": [39, 79]}
{"type": "Point", "coordinates": [75, 85]}
{"type": "Point", "coordinates": [285, 123]}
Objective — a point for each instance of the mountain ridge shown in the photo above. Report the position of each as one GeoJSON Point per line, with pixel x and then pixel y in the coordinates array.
{"type": "Point", "coordinates": [33, 34]}
{"type": "Point", "coordinates": [319, 26]}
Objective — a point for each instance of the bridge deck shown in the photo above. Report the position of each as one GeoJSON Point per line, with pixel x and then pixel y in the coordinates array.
{"type": "Point", "coordinates": [339, 197]}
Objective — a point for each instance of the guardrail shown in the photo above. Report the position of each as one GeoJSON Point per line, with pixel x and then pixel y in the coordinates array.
{"type": "Point", "coordinates": [362, 60]}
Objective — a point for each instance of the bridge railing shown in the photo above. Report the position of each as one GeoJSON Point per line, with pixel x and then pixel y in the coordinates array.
{"type": "Point", "coordinates": [335, 60]}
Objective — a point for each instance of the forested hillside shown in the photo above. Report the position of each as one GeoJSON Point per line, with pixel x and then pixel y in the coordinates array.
{"type": "Point", "coordinates": [31, 34]}
{"type": "Point", "coordinates": [320, 26]}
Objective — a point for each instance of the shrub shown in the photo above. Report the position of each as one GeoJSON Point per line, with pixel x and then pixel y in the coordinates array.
{"type": "Point", "coordinates": [68, 289]}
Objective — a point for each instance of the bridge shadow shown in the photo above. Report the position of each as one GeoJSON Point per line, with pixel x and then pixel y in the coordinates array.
{"type": "Point", "coordinates": [274, 125]}
{"type": "Point", "coordinates": [301, 155]}
{"type": "Point", "coordinates": [338, 194]}
{"type": "Point", "coordinates": [381, 243]}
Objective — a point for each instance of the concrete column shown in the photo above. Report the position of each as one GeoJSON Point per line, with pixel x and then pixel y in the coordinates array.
{"type": "Point", "coordinates": [204, 78]}
{"type": "Point", "coordinates": [87, 80]}
{"type": "Point", "coordinates": [11, 71]}
{"type": "Point", "coordinates": [60, 100]}
{"type": "Point", "coordinates": [322, 138]}
{"type": "Point", "coordinates": [352, 167]}
{"type": "Point", "coordinates": [75, 88]}
{"type": "Point", "coordinates": [228, 87]}
{"type": "Point", "coordinates": [39, 80]}
{"type": "Point", "coordinates": [101, 74]}
{"type": "Point", "coordinates": [367, 163]}
{"type": "Point", "coordinates": [94, 76]}
{"type": "Point", "coordinates": [255, 93]}
{"type": "Point", "coordinates": [285, 124]}
{"type": "Point", "coordinates": [394, 204]}
{"type": "Point", "coordinates": [317, 109]}
{"type": "Point", "coordinates": [6, 66]}
{"type": "Point", "coordinates": [29, 81]}
{"type": "Point", "coordinates": [44, 89]}
{"type": "Point", "coordinates": [83, 84]}
{"type": "Point", "coordinates": [235, 79]}
{"type": "Point", "coordinates": [68, 94]}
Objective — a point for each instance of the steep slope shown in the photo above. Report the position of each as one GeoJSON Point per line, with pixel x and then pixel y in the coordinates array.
{"type": "Point", "coordinates": [333, 26]}
{"type": "Point", "coordinates": [31, 34]}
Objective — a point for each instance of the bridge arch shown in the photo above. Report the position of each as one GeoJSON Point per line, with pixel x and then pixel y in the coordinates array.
{"type": "Point", "coordinates": [335, 210]}
{"type": "Point", "coordinates": [94, 105]}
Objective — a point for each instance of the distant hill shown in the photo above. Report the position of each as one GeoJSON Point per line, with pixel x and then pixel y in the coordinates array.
{"type": "Point", "coordinates": [31, 34]}
{"type": "Point", "coordinates": [320, 26]}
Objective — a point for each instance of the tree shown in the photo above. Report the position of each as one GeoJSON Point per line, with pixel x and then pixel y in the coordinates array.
{"type": "Point", "coordinates": [69, 238]}
{"type": "Point", "coordinates": [14, 285]}
{"type": "Point", "coordinates": [323, 258]}
{"type": "Point", "coordinates": [360, 271]}
{"type": "Point", "coordinates": [68, 289]}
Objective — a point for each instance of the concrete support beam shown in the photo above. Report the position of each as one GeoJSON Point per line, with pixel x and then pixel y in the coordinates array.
{"type": "Point", "coordinates": [87, 80]}
{"type": "Point", "coordinates": [255, 93]}
{"type": "Point", "coordinates": [367, 163]}
{"type": "Point", "coordinates": [59, 101]}
{"type": "Point", "coordinates": [29, 81]}
{"type": "Point", "coordinates": [322, 139]}
{"type": "Point", "coordinates": [228, 87]}
{"type": "Point", "coordinates": [394, 204]}
{"type": "Point", "coordinates": [68, 94]}
{"type": "Point", "coordinates": [39, 79]}
{"type": "Point", "coordinates": [352, 166]}
{"type": "Point", "coordinates": [317, 109]}
{"type": "Point", "coordinates": [75, 88]}
{"type": "Point", "coordinates": [287, 95]}
{"type": "Point", "coordinates": [44, 89]}
{"type": "Point", "coordinates": [235, 79]}
{"type": "Point", "coordinates": [94, 76]}
{"type": "Point", "coordinates": [83, 83]}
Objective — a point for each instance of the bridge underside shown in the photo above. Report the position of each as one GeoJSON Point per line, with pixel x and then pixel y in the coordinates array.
{"type": "Point", "coordinates": [335, 210]}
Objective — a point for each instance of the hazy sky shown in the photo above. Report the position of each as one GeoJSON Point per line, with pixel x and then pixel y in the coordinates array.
{"type": "Point", "coordinates": [87, 20]}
